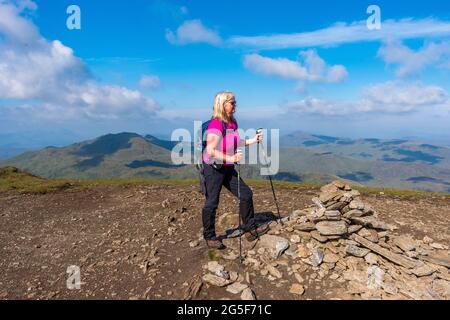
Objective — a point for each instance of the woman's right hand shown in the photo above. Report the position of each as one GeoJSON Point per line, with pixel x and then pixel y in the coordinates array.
{"type": "Point", "coordinates": [237, 157]}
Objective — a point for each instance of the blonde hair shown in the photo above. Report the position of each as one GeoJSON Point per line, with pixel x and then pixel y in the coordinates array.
{"type": "Point", "coordinates": [219, 103]}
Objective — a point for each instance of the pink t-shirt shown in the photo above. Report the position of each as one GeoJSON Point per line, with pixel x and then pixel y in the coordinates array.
{"type": "Point", "coordinates": [228, 144]}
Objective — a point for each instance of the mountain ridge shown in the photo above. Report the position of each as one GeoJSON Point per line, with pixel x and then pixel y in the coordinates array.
{"type": "Point", "coordinates": [303, 157]}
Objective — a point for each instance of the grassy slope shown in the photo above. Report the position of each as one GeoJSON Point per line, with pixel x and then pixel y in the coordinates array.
{"type": "Point", "coordinates": [14, 180]}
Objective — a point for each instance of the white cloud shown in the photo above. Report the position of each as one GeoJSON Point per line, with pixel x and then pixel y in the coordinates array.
{"type": "Point", "coordinates": [280, 67]}
{"type": "Point", "coordinates": [405, 97]}
{"type": "Point", "coordinates": [341, 33]}
{"type": "Point", "coordinates": [47, 77]}
{"type": "Point", "coordinates": [15, 28]}
{"type": "Point", "coordinates": [43, 72]}
{"type": "Point", "coordinates": [389, 97]}
{"type": "Point", "coordinates": [410, 62]}
{"type": "Point", "coordinates": [150, 82]}
{"type": "Point", "coordinates": [337, 73]}
{"type": "Point", "coordinates": [193, 31]}
{"type": "Point", "coordinates": [112, 101]}
{"type": "Point", "coordinates": [310, 68]}
{"type": "Point", "coordinates": [311, 105]}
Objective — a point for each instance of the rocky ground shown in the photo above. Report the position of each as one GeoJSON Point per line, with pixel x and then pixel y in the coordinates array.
{"type": "Point", "coordinates": [145, 242]}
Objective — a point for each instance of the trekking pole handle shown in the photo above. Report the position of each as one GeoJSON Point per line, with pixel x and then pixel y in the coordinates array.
{"type": "Point", "coordinates": [258, 132]}
{"type": "Point", "coordinates": [238, 150]}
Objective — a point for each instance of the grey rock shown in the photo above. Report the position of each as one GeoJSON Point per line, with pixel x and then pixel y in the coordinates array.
{"type": "Point", "coordinates": [236, 288]}
{"type": "Point", "coordinates": [356, 204]}
{"type": "Point", "coordinates": [339, 184]}
{"type": "Point", "coordinates": [371, 258]}
{"type": "Point", "coordinates": [354, 228]}
{"type": "Point", "coordinates": [327, 197]}
{"type": "Point", "coordinates": [406, 243]}
{"type": "Point", "coordinates": [442, 287]}
{"type": "Point", "coordinates": [316, 235]}
{"type": "Point", "coordinates": [348, 196]}
{"type": "Point", "coordinates": [234, 276]}
{"type": "Point", "coordinates": [345, 209]}
{"type": "Point", "coordinates": [298, 277]}
{"type": "Point", "coordinates": [396, 258]}
{"type": "Point", "coordinates": [230, 256]}
{"type": "Point", "coordinates": [297, 289]}
{"type": "Point", "coordinates": [328, 188]}
{"type": "Point", "coordinates": [330, 203]}
{"type": "Point", "coordinates": [332, 213]}
{"type": "Point", "coordinates": [389, 287]}
{"type": "Point", "coordinates": [375, 277]}
{"type": "Point", "coordinates": [332, 228]}
{"type": "Point", "coordinates": [295, 238]}
{"type": "Point", "coordinates": [353, 213]}
{"type": "Point", "coordinates": [356, 251]}
{"type": "Point", "coordinates": [248, 294]}
{"type": "Point", "coordinates": [318, 202]}
{"type": "Point", "coordinates": [291, 253]}
{"type": "Point", "coordinates": [330, 257]}
{"type": "Point", "coordinates": [274, 271]}
{"type": "Point", "coordinates": [275, 244]}
{"type": "Point", "coordinates": [316, 257]}
{"type": "Point", "coordinates": [336, 206]}
{"type": "Point", "coordinates": [368, 210]}
{"type": "Point", "coordinates": [370, 222]}
{"type": "Point", "coordinates": [298, 213]}
{"type": "Point", "coordinates": [439, 259]}
{"type": "Point", "coordinates": [439, 246]}
{"type": "Point", "coordinates": [215, 280]}
{"type": "Point", "coordinates": [424, 270]}
{"type": "Point", "coordinates": [307, 226]}
{"type": "Point", "coordinates": [193, 243]}
{"type": "Point", "coordinates": [369, 234]}
{"type": "Point", "coordinates": [412, 254]}
{"type": "Point", "coordinates": [217, 269]}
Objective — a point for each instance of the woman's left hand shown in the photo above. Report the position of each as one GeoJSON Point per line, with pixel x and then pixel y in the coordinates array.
{"type": "Point", "coordinates": [258, 137]}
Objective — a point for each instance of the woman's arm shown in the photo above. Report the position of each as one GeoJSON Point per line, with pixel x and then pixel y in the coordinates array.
{"type": "Point", "coordinates": [212, 140]}
{"type": "Point", "coordinates": [247, 142]}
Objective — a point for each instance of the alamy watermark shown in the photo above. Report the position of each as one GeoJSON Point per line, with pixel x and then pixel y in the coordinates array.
{"type": "Point", "coordinates": [374, 21]}
{"type": "Point", "coordinates": [73, 21]}
{"type": "Point", "coordinates": [74, 279]}
{"type": "Point", "coordinates": [189, 149]}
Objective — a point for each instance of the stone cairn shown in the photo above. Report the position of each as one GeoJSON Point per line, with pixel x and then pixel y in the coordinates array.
{"type": "Point", "coordinates": [342, 239]}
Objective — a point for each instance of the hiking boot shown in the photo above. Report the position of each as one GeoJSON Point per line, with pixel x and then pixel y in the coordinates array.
{"type": "Point", "coordinates": [254, 234]}
{"type": "Point", "coordinates": [215, 244]}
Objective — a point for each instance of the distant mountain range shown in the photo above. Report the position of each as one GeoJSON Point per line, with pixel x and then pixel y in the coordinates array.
{"type": "Point", "coordinates": [9, 152]}
{"type": "Point", "coordinates": [375, 162]}
{"type": "Point", "coordinates": [303, 157]}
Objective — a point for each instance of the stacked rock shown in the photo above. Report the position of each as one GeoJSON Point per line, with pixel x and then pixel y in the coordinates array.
{"type": "Point", "coordinates": [340, 212]}
{"type": "Point", "coordinates": [339, 239]}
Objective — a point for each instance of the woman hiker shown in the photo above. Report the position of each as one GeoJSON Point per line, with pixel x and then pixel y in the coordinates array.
{"type": "Point", "coordinates": [221, 149]}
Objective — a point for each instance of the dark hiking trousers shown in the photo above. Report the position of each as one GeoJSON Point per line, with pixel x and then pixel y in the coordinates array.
{"type": "Point", "coordinates": [214, 180]}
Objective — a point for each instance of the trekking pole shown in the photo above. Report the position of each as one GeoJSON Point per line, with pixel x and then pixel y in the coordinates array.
{"type": "Point", "coordinates": [239, 205]}
{"type": "Point", "coordinates": [270, 178]}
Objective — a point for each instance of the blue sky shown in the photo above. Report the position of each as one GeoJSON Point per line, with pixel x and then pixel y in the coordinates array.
{"type": "Point", "coordinates": [154, 66]}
